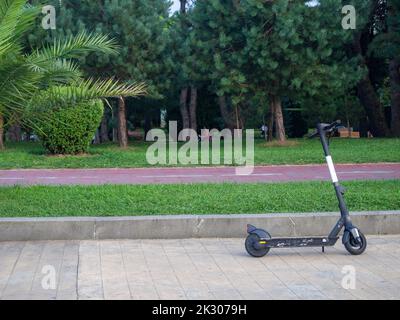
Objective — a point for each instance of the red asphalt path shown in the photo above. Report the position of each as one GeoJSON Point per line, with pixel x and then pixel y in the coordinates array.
{"type": "Point", "coordinates": [196, 175]}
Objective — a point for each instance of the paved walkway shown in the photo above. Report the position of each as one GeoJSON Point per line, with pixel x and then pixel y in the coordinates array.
{"type": "Point", "coordinates": [195, 175]}
{"type": "Point", "coordinates": [194, 269]}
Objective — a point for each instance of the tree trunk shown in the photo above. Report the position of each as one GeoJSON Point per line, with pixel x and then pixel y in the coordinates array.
{"type": "Point", "coordinates": [148, 115]}
{"type": "Point", "coordinates": [1, 132]}
{"type": "Point", "coordinates": [280, 127]}
{"type": "Point", "coordinates": [183, 6]}
{"type": "Point", "coordinates": [97, 137]}
{"type": "Point", "coordinates": [373, 108]}
{"type": "Point", "coordinates": [225, 114]}
{"type": "Point", "coordinates": [183, 108]}
{"type": "Point", "coordinates": [394, 73]}
{"type": "Point", "coordinates": [122, 132]}
{"type": "Point", "coordinates": [193, 108]}
{"type": "Point", "coordinates": [368, 97]}
{"type": "Point", "coordinates": [271, 122]}
{"type": "Point", "coordinates": [240, 121]}
{"type": "Point", "coordinates": [115, 122]}
{"type": "Point", "coordinates": [14, 132]}
{"type": "Point", "coordinates": [104, 128]}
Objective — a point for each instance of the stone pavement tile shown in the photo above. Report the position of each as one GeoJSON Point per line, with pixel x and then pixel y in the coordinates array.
{"type": "Point", "coordinates": [322, 283]}
{"type": "Point", "coordinates": [49, 266]}
{"type": "Point", "coordinates": [193, 246]}
{"type": "Point", "coordinates": [90, 287]}
{"type": "Point", "coordinates": [368, 279]}
{"type": "Point", "coordinates": [329, 275]}
{"type": "Point", "coordinates": [255, 294]}
{"type": "Point", "coordinates": [216, 281]}
{"type": "Point", "coordinates": [366, 294]}
{"type": "Point", "coordinates": [140, 281]}
{"type": "Point", "coordinates": [226, 294]}
{"type": "Point", "coordinates": [17, 296]}
{"type": "Point", "coordinates": [268, 281]}
{"type": "Point", "coordinates": [237, 275]}
{"type": "Point", "coordinates": [9, 254]}
{"type": "Point", "coordinates": [170, 292]}
{"type": "Point", "coordinates": [251, 265]}
{"type": "Point", "coordinates": [306, 292]}
{"type": "Point", "coordinates": [68, 280]}
{"type": "Point", "coordinates": [282, 293]}
{"type": "Point", "coordinates": [213, 246]}
{"type": "Point", "coordinates": [154, 255]}
{"type": "Point", "coordinates": [21, 279]}
{"type": "Point", "coordinates": [134, 259]}
{"type": "Point", "coordinates": [89, 257]}
{"type": "Point", "coordinates": [90, 284]}
{"type": "Point", "coordinates": [339, 294]}
{"type": "Point", "coordinates": [142, 286]}
{"type": "Point", "coordinates": [115, 282]}
{"type": "Point", "coordinates": [198, 293]}
{"type": "Point", "coordinates": [388, 249]}
{"type": "Point", "coordinates": [189, 278]}
{"type": "Point", "coordinates": [196, 269]}
{"type": "Point", "coordinates": [273, 287]}
{"type": "Point", "coordinates": [168, 287]}
{"type": "Point", "coordinates": [296, 273]}
{"type": "Point", "coordinates": [143, 292]}
{"type": "Point", "coordinates": [165, 281]}
{"type": "Point", "coordinates": [387, 291]}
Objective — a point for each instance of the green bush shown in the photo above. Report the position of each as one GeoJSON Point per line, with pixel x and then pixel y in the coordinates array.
{"type": "Point", "coordinates": [69, 130]}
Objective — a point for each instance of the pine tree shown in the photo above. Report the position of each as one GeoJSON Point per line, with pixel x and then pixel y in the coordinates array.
{"type": "Point", "coordinates": [274, 49]}
{"type": "Point", "coordinates": [183, 45]}
{"type": "Point", "coordinates": [386, 45]}
{"type": "Point", "coordinates": [140, 27]}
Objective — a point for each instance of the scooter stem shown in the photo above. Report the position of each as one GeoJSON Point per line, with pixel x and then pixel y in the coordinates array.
{"type": "Point", "coordinates": [345, 220]}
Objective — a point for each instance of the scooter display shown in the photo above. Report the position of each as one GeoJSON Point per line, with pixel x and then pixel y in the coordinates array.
{"type": "Point", "coordinates": [259, 241]}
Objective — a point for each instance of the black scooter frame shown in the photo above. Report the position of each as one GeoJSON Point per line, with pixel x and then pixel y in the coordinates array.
{"type": "Point", "coordinates": [344, 222]}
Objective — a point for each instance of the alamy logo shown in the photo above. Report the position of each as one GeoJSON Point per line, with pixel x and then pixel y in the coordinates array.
{"type": "Point", "coordinates": [49, 20]}
{"type": "Point", "coordinates": [49, 279]}
{"type": "Point", "coordinates": [349, 21]}
{"type": "Point", "coordinates": [349, 278]}
{"type": "Point", "coordinates": [196, 149]}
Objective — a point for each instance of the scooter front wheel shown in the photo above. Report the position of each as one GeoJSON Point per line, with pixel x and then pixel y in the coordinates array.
{"type": "Point", "coordinates": [355, 248]}
{"type": "Point", "coordinates": [253, 247]}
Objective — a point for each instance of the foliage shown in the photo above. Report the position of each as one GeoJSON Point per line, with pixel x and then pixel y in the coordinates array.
{"type": "Point", "coordinates": [49, 73]}
{"type": "Point", "coordinates": [387, 42]}
{"type": "Point", "coordinates": [245, 50]}
{"type": "Point", "coordinates": [139, 27]}
{"type": "Point", "coordinates": [70, 129]}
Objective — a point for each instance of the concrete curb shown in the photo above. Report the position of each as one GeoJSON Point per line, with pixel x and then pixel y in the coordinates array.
{"type": "Point", "coordinates": [193, 226]}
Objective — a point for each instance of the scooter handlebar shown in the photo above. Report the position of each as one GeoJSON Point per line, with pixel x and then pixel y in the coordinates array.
{"type": "Point", "coordinates": [326, 128]}
{"type": "Point", "coordinates": [332, 125]}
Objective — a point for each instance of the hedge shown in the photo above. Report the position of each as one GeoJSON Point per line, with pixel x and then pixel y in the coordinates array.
{"type": "Point", "coordinates": [70, 130]}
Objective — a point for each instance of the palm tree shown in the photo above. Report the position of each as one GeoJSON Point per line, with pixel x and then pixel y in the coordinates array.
{"type": "Point", "coordinates": [49, 75]}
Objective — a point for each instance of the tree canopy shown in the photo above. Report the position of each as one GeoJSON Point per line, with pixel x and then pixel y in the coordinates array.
{"type": "Point", "coordinates": [236, 64]}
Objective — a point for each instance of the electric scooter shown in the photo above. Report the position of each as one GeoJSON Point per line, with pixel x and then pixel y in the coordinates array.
{"type": "Point", "coordinates": [259, 241]}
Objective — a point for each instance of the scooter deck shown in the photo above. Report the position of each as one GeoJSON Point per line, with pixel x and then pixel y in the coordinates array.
{"type": "Point", "coordinates": [298, 242]}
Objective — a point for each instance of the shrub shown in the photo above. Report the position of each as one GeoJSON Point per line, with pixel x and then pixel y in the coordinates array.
{"type": "Point", "coordinates": [69, 130]}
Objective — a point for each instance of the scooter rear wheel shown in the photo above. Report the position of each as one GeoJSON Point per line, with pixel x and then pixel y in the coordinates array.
{"type": "Point", "coordinates": [353, 247]}
{"type": "Point", "coordinates": [253, 248]}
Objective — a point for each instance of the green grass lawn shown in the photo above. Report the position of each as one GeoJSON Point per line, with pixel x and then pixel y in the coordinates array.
{"type": "Point", "coordinates": [32, 155]}
{"type": "Point", "coordinates": [111, 200]}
